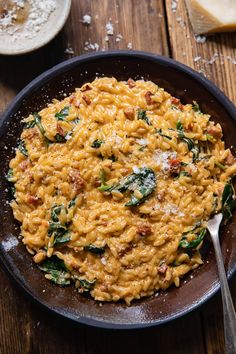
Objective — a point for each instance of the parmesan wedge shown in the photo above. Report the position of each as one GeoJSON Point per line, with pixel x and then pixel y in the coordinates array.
{"type": "Point", "coordinates": [209, 16]}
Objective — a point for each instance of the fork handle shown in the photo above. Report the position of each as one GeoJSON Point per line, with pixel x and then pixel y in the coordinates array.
{"type": "Point", "coordinates": [228, 307]}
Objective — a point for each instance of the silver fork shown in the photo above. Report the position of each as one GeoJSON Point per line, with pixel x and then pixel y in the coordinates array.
{"type": "Point", "coordinates": [228, 307]}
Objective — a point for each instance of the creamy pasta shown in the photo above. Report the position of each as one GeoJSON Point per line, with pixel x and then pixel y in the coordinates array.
{"type": "Point", "coordinates": [114, 185]}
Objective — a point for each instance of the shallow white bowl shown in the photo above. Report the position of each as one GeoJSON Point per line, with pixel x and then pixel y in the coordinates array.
{"type": "Point", "coordinates": [47, 32]}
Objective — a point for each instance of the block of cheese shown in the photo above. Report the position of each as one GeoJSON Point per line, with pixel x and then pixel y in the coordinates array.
{"type": "Point", "coordinates": [209, 16]}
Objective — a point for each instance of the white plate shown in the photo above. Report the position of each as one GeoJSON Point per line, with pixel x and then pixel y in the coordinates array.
{"type": "Point", "coordinates": [46, 33]}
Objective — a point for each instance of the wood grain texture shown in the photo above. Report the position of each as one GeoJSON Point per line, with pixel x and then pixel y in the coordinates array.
{"type": "Point", "coordinates": [24, 327]}
{"type": "Point", "coordinates": [214, 58]}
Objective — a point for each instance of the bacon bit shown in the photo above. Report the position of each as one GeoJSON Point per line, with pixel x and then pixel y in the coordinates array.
{"type": "Point", "coordinates": [125, 250]}
{"type": "Point", "coordinates": [104, 223]}
{"type": "Point", "coordinates": [175, 101]}
{"type": "Point", "coordinates": [175, 165]}
{"type": "Point", "coordinates": [189, 126]}
{"type": "Point", "coordinates": [97, 182]}
{"type": "Point", "coordinates": [31, 133]}
{"type": "Point", "coordinates": [76, 178]}
{"type": "Point", "coordinates": [32, 199]}
{"type": "Point", "coordinates": [86, 99]}
{"type": "Point", "coordinates": [129, 113]}
{"type": "Point", "coordinates": [86, 88]}
{"type": "Point", "coordinates": [147, 96]}
{"type": "Point", "coordinates": [144, 229]}
{"type": "Point", "coordinates": [162, 269]}
{"type": "Point", "coordinates": [230, 160]}
{"type": "Point", "coordinates": [131, 83]}
{"type": "Point", "coordinates": [24, 164]}
{"type": "Point", "coordinates": [60, 130]}
{"type": "Point", "coordinates": [215, 131]}
{"type": "Point", "coordinates": [31, 179]}
{"type": "Point", "coordinates": [160, 196]}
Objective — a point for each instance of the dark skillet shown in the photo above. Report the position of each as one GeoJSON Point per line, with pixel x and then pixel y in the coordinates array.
{"type": "Point", "coordinates": [181, 82]}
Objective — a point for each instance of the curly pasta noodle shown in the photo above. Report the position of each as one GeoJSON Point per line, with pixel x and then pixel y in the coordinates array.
{"type": "Point", "coordinates": [68, 169]}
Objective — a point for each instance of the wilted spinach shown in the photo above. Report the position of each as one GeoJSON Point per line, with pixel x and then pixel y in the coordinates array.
{"type": "Point", "coordinates": [86, 286]}
{"type": "Point", "coordinates": [97, 143]}
{"type": "Point", "coordinates": [228, 201]}
{"type": "Point", "coordinates": [94, 249]}
{"type": "Point", "coordinates": [22, 148]}
{"type": "Point", "coordinates": [63, 113]}
{"type": "Point", "coordinates": [190, 142]}
{"type": "Point", "coordinates": [142, 114]}
{"type": "Point", "coordinates": [57, 269]}
{"type": "Point", "coordinates": [159, 131]}
{"type": "Point", "coordinates": [200, 234]}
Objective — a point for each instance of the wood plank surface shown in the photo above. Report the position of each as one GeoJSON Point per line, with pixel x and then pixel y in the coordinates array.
{"type": "Point", "coordinates": [148, 25]}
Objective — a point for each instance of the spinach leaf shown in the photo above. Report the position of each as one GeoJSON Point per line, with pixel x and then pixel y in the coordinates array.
{"type": "Point", "coordinates": [9, 175]}
{"type": "Point", "coordinates": [195, 107]}
{"type": "Point", "coordinates": [97, 143]}
{"type": "Point", "coordinates": [220, 165]}
{"type": "Point", "coordinates": [55, 211]}
{"type": "Point", "coordinates": [38, 122]}
{"type": "Point", "coordinates": [63, 113]}
{"type": "Point", "coordinates": [86, 285]}
{"type": "Point", "coordinates": [94, 249]}
{"type": "Point", "coordinates": [57, 269]}
{"type": "Point", "coordinates": [159, 131]}
{"type": "Point", "coordinates": [12, 191]}
{"type": "Point", "coordinates": [193, 244]}
{"type": "Point", "coordinates": [142, 114]}
{"type": "Point", "coordinates": [76, 120]}
{"type": "Point", "coordinates": [103, 187]}
{"type": "Point", "coordinates": [144, 181]}
{"type": "Point", "coordinates": [22, 148]}
{"type": "Point", "coordinates": [72, 203]}
{"type": "Point", "coordinates": [190, 142]}
{"type": "Point", "coordinates": [30, 124]}
{"type": "Point", "coordinates": [59, 231]}
{"type": "Point", "coordinates": [59, 138]}
{"type": "Point", "coordinates": [228, 201]}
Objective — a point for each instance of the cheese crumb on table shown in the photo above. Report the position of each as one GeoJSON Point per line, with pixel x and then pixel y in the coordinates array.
{"type": "Point", "coordinates": [86, 19]}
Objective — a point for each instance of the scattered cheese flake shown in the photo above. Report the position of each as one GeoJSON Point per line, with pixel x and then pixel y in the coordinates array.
{"type": "Point", "coordinates": [86, 19]}
{"type": "Point", "coordinates": [69, 51]}
{"type": "Point", "coordinates": [136, 169]}
{"type": "Point", "coordinates": [197, 59]}
{"type": "Point", "coordinates": [142, 142]}
{"type": "Point", "coordinates": [129, 45]}
{"type": "Point", "coordinates": [91, 46]}
{"type": "Point", "coordinates": [103, 261]}
{"type": "Point", "coordinates": [162, 159]}
{"type": "Point", "coordinates": [174, 4]}
{"type": "Point", "coordinates": [200, 39]}
{"type": "Point", "coordinates": [10, 243]}
{"type": "Point", "coordinates": [119, 38]}
{"type": "Point", "coordinates": [109, 29]}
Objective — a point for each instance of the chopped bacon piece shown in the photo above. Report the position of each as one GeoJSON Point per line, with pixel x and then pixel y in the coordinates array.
{"type": "Point", "coordinates": [148, 98]}
{"type": "Point", "coordinates": [32, 199]}
{"type": "Point", "coordinates": [162, 269]}
{"type": "Point", "coordinates": [86, 99]}
{"type": "Point", "coordinates": [230, 158]}
{"type": "Point", "coordinates": [175, 165]}
{"type": "Point", "coordinates": [131, 83]}
{"type": "Point", "coordinates": [24, 164]}
{"type": "Point", "coordinates": [60, 130]}
{"type": "Point", "coordinates": [189, 126]}
{"type": "Point", "coordinates": [215, 131]}
{"type": "Point", "coordinates": [144, 229]}
{"type": "Point", "coordinates": [129, 113]}
{"type": "Point", "coordinates": [175, 101]}
{"type": "Point", "coordinates": [86, 88]}
{"type": "Point", "coordinates": [31, 134]}
{"type": "Point", "coordinates": [77, 180]}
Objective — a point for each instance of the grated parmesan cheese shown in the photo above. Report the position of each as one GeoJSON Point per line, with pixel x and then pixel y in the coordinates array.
{"type": "Point", "coordinates": [162, 159]}
{"type": "Point", "coordinates": [86, 19]}
{"type": "Point", "coordinates": [39, 12]}
{"type": "Point", "coordinates": [109, 28]}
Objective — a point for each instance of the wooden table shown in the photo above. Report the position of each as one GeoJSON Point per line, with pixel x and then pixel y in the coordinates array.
{"type": "Point", "coordinates": [149, 25]}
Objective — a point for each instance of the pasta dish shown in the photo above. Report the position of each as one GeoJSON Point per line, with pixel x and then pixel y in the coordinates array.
{"type": "Point", "coordinates": [113, 187]}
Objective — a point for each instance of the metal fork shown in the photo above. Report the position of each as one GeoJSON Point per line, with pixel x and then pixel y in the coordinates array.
{"type": "Point", "coordinates": [228, 307]}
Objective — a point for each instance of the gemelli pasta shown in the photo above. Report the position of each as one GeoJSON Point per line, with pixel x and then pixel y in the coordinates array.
{"type": "Point", "coordinates": [113, 187]}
